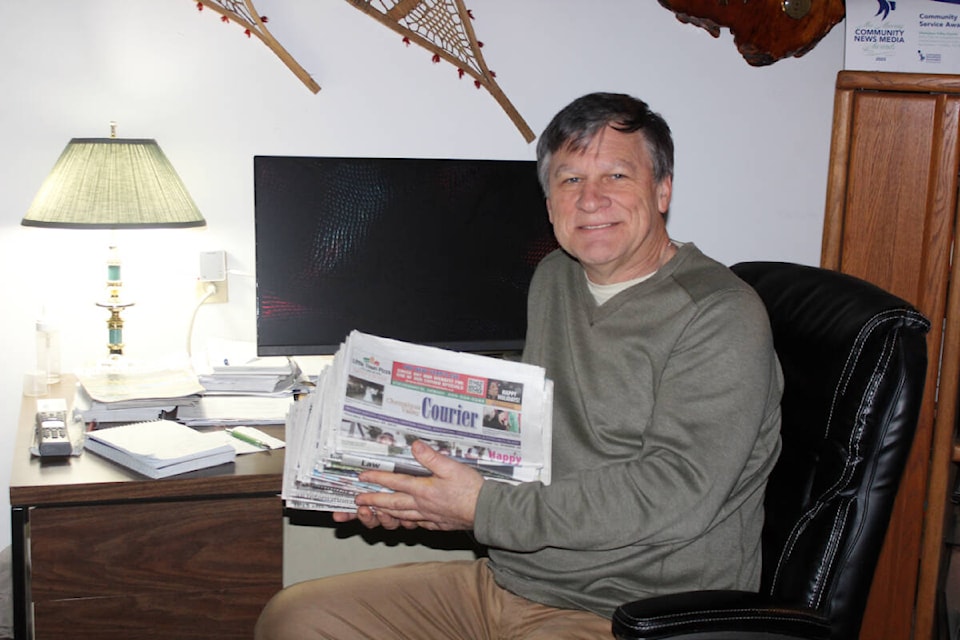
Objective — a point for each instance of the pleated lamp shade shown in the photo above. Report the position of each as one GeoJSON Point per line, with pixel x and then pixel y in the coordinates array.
{"type": "Point", "coordinates": [113, 183]}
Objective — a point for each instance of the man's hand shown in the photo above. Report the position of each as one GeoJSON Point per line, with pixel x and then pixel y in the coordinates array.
{"type": "Point", "coordinates": [445, 501]}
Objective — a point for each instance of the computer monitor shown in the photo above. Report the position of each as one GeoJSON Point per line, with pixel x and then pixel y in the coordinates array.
{"type": "Point", "coordinates": [432, 251]}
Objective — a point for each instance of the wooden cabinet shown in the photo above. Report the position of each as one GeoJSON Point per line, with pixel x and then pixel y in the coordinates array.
{"type": "Point", "coordinates": [891, 218]}
{"type": "Point", "coordinates": [100, 552]}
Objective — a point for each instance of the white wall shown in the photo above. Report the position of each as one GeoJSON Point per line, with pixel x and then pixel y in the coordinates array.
{"type": "Point", "coordinates": [752, 143]}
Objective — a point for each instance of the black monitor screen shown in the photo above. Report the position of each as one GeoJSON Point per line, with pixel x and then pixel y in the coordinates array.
{"type": "Point", "coordinates": [430, 251]}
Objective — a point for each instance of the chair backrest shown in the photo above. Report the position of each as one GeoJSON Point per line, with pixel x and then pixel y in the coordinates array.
{"type": "Point", "coordinates": [854, 361]}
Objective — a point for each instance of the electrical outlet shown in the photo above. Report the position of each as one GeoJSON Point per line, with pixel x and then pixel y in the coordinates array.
{"type": "Point", "coordinates": [219, 293]}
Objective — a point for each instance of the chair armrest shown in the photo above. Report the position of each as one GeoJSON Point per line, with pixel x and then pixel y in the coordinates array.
{"type": "Point", "coordinates": [716, 615]}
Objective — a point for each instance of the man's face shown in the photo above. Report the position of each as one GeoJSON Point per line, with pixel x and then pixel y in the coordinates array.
{"type": "Point", "coordinates": [607, 211]}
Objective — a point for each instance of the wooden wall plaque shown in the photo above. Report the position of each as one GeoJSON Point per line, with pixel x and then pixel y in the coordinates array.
{"type": "Point", "coordinates": [764, 31]}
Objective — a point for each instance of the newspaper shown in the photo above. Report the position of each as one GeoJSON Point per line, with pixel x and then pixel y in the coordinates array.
{"type": "Point", "coordinates": [379, 395]}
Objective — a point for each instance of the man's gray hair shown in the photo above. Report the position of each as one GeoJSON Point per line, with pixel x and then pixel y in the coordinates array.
{"type": "Point", "coordinates": [577, 124]}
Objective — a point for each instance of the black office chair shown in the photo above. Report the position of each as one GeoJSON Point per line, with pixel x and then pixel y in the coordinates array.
{"type": "Point", "coordinates": [854, 360]}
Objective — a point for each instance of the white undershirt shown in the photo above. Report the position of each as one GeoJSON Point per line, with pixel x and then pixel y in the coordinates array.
{"type": "Point", "coordinates": [603, 292]}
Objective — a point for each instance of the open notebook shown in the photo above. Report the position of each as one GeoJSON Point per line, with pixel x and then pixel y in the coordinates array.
{"type": "Point", "coordinates": [160, 448]}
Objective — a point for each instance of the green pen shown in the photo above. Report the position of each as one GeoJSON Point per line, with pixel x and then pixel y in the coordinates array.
{"type": "Point", "coordinates": [248, 439]}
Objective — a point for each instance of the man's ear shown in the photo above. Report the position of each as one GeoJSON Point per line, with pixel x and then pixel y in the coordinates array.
{"type": "Point", "coordinates": [549, 211]}
{"type": "Point", "coordinates": [664, 194]}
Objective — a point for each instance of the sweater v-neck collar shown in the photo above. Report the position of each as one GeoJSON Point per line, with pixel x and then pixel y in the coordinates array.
{"type": "Point", "coordinates": [597, 312]}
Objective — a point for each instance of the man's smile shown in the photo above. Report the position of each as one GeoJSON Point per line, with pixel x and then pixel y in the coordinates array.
{"type": "Point", "coordinates": [591, 227]}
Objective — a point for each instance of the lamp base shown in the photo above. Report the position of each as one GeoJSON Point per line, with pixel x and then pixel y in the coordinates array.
{"type": "Point", "coordinates": [115, 325]}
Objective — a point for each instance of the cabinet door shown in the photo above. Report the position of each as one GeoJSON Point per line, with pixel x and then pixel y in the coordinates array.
{"type": "Point", "coordinates": [186, 569]}
{"type": "Point", "coordinates": [891, 207]}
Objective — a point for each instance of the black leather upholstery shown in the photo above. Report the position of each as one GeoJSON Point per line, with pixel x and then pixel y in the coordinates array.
{"type": "Point", "coordinates": [854, 360]}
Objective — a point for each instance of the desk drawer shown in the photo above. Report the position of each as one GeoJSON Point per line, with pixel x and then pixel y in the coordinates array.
{"type": "Point", "coordinates": [125, 549]}
{"type": "Point", "coordinates": [211, 615]}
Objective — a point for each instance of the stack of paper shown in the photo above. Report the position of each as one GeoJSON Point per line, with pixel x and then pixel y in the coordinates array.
{"type": "Point", "coordinates": [118, 393]}
{"type": "Point", "coordinates": [161, 448]}
{"type": "Point", "coordinates": [380, 395]}
{"type": "Point", "coordinates": [233, 367]}
{"type": "Point", "coordinates": [224, 410]}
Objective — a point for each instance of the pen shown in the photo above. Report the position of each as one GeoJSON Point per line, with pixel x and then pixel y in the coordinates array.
{"type": "Point", "coordinates": [248, 439]}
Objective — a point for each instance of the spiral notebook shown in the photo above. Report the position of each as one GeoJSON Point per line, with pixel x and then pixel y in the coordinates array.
{"type": "Point", "coordinates": [160, 448]}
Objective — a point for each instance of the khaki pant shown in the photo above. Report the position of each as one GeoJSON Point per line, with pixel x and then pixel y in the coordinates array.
{"type": "Point", "coordinates": [422, 601]}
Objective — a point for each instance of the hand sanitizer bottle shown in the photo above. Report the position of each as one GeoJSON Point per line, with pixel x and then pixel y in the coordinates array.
{"type": "Point", "coordinates": [48, 349]}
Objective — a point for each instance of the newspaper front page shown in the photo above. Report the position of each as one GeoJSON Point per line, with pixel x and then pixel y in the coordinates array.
{"type": "Point", "coordinates": [380, 395]}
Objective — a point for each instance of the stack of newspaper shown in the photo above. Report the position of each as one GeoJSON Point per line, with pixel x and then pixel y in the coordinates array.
{"type": "Point", "coordinates": [379, 395]}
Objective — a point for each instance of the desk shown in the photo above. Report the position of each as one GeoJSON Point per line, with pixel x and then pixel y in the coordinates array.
{"type": "Point", "coordinates": [101, 552]}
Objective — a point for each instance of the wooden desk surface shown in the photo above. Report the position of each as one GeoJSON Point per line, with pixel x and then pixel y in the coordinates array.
{"type": "Point", "coordinates": [88, 478]}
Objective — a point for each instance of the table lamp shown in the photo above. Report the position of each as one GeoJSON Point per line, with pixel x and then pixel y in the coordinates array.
{"type": "Point", "coordinates": [113, 183]}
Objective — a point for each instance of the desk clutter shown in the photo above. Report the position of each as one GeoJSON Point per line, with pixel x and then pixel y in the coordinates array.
{"type": "Point", "coordinates": [228, 384]}
{"type": "Point", "coordinates": [163, 448]}
{"type": "Point", "coordinates": [161, 420]}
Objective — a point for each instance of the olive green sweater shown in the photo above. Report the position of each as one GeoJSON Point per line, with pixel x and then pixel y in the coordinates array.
{"type": "Point", "coordinates": [666, 425]}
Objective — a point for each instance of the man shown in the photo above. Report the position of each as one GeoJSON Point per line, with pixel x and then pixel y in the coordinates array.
{"type": "Point", "coordinates": [666, 425]}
